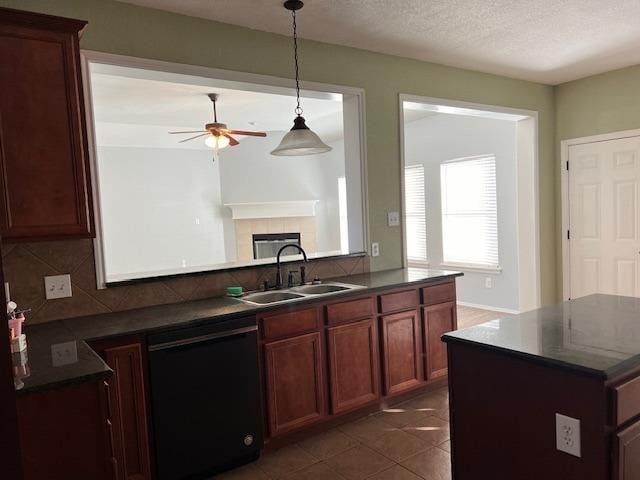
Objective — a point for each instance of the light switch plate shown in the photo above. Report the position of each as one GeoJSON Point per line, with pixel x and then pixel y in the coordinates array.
{"type": "Point", "coordinates": [64, 353]}
{"type": "Point", "coordinates": [393, 219]}
{"type": "Point", "coordinates": [568, 435]}
{"type": "Point", "coordinates": [57, 286]}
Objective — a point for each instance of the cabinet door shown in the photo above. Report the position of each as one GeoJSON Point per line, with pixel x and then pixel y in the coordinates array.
{"type": "Point", "coordinates": [127, 405]}
{"type": "Point", "coordinates": [626, 460]}
{"type": "Point", "coordinates": [353, 365]}
{"type": "Point", "coordinates": [438, 320]}
{"type": "Point", "coordinates": [44, 168]}
{"type": "Point", "coordinates": [401, 351]}
{"type": "Point", "coordinates": [294, 382]}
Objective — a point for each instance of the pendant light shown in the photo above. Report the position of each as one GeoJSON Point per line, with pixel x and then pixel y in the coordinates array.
{"type": "Point", "coordinates": [300, 140]}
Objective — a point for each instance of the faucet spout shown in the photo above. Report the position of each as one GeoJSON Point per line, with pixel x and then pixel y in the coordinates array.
{"type": "Point", "coordinates": [279, 270]}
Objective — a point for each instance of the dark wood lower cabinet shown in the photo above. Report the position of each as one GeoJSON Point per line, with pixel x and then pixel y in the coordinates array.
{"type": "Point", "coordinates": [438, 320]}
{"type": "Point", "coordinates": [401, 351]}
{"type": "Point", "coordinates": [353, 365]}
{"type": "Point", "coordinates": [294, 383]}
{"type": "Point", "coordinates": [127, 425]}
{"type": "Point", "coordinates": [61, 433]}
{"type": "Point", "coordinates": [626, 461]}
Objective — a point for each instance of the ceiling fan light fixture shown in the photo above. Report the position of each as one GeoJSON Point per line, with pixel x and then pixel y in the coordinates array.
{"type": "Point", "coordinates": [300, 140]}
{"type": "Point", "coordinates": [217, 141]}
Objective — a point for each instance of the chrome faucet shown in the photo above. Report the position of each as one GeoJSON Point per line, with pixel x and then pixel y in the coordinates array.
{"type": "Point", "coordinates": [279, 271]}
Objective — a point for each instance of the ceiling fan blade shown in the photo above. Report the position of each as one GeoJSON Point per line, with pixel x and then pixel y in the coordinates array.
{"type": "Point", "coordinates": [232, 141]}
{"type": "Point", "coordinates": [188, 131]}
{"type": "Point", "coordinates": [193, 138]}
{"type": "Point", "coordinates": [249, 134]}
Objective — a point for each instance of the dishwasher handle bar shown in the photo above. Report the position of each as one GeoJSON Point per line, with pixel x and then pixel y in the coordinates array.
{"type": "Point", "coordinates": [202, 338]}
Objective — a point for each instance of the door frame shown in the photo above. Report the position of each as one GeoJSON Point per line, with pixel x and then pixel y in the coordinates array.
{"type": "Point", "coordinates": [530, 275]}
{"type": "Point", "coordinates": [564, 195]}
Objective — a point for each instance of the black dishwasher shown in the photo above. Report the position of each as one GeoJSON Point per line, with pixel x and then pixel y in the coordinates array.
{"type": "Point", "coordinates": [205, 398]}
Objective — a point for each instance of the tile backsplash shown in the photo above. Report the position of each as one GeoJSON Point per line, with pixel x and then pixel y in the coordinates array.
{"type": "Point", "coordinates": [26, 265]}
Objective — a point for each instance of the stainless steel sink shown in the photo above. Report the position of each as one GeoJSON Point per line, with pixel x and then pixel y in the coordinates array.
{"type": "Point", "coordinates": [296, 293]}
{"type": "Point", "coordinates": [263, 298]}
{"type": "Point", "coordinates": [321, 289]}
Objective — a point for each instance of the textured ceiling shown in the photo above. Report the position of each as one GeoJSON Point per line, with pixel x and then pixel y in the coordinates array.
{"type": "Point", "coordinates": [548, 41]}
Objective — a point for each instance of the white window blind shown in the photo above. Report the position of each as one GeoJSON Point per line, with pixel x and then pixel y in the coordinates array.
{"type": "Point", "coordinates": [470, 212]}
{"type": "Point", "coordinates": [415, 215]}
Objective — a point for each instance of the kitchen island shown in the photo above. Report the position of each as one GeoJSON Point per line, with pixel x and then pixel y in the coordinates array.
{"type": "Point", "coordinates": [518, 385]}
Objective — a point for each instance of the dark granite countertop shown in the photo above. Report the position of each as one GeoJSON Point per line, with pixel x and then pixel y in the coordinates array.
{"type": "Point", "coordinates": [69, 361]}
{"type": "Point", "coordinates": [597, 335]}
{"type": "Point", "coordinates": [89, 366]}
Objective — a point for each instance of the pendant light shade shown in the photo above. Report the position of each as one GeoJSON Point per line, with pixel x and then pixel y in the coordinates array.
{"type": "Point", "coordinates": [300, 140]}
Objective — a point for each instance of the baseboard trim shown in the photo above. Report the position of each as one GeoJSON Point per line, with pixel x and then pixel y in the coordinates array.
{"type": "Point", "coordinates": [488, 307]}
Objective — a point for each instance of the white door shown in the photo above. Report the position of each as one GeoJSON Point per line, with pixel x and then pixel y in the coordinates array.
{"type": "Point", "coordinates": [604, 179]}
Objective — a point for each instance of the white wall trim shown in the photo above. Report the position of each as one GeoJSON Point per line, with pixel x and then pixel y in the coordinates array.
{"type": "Point", "coordinates": [249, 81]}
{"type": "Point", "coordinates": [487, 307]}
{"type": "Point", "coordinates": [564, 195]}
{"type": "Point", "coordinates": [532, 275]}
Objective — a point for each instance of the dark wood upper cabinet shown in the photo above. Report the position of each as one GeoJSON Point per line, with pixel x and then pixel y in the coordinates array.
{"type": "Point", "coordinates": [401, 351]}
{"type": "Point", "coordinates": [44, 161]}
{"type": "Point", "coordinates": [438, 320]}
{"type": "Point", "coordinates": [353, 365]}
{"type": "Point", "coordinates": [294, 383]}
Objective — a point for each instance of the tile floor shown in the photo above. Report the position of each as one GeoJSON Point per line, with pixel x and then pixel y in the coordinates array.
{"type": "Point", "coordinates": [407, 442]}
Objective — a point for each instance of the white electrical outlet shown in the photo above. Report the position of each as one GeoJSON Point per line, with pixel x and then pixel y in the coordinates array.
{"type": "Point", "coordinates": [64, 353]}
{"type": "Point", "coordinates": [568, 435]}
{"type": "Point", "coordinates": [393, 219]}
{"type": "Point", "coordinates": [375, 249]}
{"type": "Point", "coordinates": [488, 283]}
{"type": "Point", "coordinates": [57, 286]}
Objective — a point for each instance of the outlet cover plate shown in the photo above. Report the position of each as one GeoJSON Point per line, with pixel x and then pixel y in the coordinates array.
{"type": "Point", "coordinates": [375, 249]}
{"type": "Point", "coordinates": [57, 286]}
{"type": "Point", "coordinates": [568, 435]}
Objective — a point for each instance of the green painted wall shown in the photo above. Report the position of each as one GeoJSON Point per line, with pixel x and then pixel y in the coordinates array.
{"type": "Point", "coordinates": [603, 103]}
{"type": "Point", "coordinates": [129, 30]}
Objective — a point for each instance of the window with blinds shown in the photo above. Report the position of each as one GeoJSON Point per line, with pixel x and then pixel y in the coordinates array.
{"type": "Point", "coordinates": [470, 212]}
{"type": "Point", "coordinates": [415, 216]}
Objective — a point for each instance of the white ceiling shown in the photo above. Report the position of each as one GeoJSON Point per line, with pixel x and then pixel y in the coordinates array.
{"type": "Point", "coordinates": [137, 108]}
{"type": "Point", "coordinates": [548, 41]}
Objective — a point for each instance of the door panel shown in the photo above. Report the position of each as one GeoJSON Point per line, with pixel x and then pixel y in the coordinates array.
{"type": "Point", "coordinates": [353, 365]}
{"type": "Point", "coordinates": [295, 391]}
{"type": "Point", "coordinates": [438, 320]}
{"type": "Point", "coordinates": [603, 217]}
{"type": "Point", "coordinates": [401, 351]}
{"type": "Point", "coordinates": [626, 459]}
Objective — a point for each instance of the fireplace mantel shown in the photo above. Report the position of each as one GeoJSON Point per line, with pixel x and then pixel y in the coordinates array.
{"type": "Point", "coordinates": [296, 208]}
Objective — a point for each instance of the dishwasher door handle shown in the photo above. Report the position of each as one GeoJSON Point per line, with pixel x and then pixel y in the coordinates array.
{"type": "Point", "coordinates": [202, 338]}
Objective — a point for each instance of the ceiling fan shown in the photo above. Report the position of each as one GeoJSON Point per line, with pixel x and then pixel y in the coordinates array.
{"type": "Point", "coordinates": [218, 135]}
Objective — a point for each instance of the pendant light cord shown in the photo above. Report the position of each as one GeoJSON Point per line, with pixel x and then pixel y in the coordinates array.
{"type": "Point", "coordinates": [298, 109]}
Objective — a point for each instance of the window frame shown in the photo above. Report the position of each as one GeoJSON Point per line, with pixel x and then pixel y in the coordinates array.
{"type": "Point", "coordinates": [466, 265]}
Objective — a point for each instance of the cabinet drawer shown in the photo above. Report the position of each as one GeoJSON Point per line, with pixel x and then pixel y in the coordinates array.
{"type": "Point", "coordinates": [626, 401]}
{"type": "Point", "coordinates": [394, 302]}
{"type": "Point", "coordinates": [349, 311]}
{"type": "Point", "coordinates": [439, 293]}
{"type": "Point", "coordinates": [288, 324]}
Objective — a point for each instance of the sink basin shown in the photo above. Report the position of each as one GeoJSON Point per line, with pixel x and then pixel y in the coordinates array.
{"type": "Point", "coordinates": [270, 297]}
{"type": "Point", "coordinates": [320, 289]}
